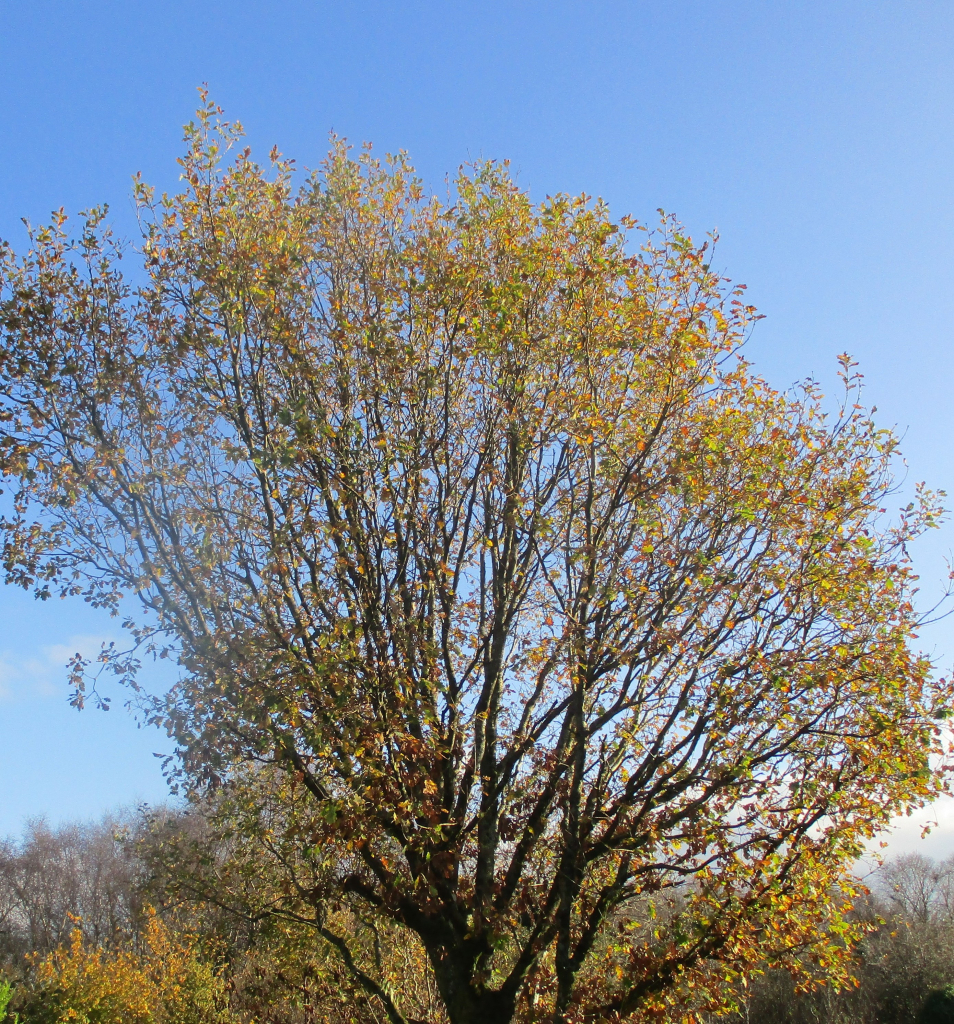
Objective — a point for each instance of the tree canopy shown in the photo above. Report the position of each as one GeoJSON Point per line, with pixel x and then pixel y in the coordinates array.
{"type": "Point", "coordinates": [512, 607]}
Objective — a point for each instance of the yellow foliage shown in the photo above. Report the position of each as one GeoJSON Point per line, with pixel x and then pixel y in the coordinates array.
{"type": "Point", "coordinates": [168, 982]}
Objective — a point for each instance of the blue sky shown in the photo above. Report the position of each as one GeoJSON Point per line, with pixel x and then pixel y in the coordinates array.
{"type": "Point", "coordinates": [817, 138]}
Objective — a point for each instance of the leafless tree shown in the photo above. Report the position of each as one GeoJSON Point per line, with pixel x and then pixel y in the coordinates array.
{"type": "Point", "coordinates": [53, 878]}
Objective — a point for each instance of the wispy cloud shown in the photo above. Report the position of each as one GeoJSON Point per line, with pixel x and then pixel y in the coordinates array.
{"type": "Point", "coordinates": [43, 674]}
{"type": "Point", "coordinates": [909, 835]}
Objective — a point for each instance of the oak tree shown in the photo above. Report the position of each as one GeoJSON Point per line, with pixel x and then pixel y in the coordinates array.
{"type": "Point", "coordinates": [563, 641]}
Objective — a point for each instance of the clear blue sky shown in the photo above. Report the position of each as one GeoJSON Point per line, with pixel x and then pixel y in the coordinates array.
{"type": "Point", "coordinates": [817, 137]}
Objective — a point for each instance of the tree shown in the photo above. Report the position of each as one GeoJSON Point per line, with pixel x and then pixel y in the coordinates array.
{"type": "Point", "coordinates": [211, 867]}
{"type": "Point", "coordinates": [902, 964]}
{"type": "Point", "coordinates": [586, 656]}
{"type": "Point", "coordinates": [53, 876]}
{"type": "Point", "coordinates": [939, 1008]}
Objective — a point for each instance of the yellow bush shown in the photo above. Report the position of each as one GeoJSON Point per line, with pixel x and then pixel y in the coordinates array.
{"type": "Point", "coordinates": [169, 982]}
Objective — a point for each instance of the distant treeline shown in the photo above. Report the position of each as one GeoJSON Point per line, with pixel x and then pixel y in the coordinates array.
{"type": "Point", "coordinates": [151, 917]}
{"type": "Point", "coordinates": [907, 957]}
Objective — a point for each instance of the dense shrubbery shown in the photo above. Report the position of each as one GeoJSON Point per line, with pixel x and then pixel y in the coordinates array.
{"type": "Point", "coordinates": [155, 918]}
{"type": "Point", "coordinates": [162, 918]}
{"type": "Point", "coordinates": [169, 979]}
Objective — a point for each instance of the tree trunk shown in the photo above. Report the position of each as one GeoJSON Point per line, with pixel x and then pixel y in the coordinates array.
{"type": "Point", "coordinates": [467, 1005]}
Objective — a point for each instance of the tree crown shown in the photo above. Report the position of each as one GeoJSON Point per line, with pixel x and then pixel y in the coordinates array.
{"type": "Point", "coordinates": [469, 517]}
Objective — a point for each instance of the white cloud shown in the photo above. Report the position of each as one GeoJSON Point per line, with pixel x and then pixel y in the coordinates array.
{"type": "Point", "coordinates": [929, 830]}
{"type": "Point", "coordinates": [44, 674]}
